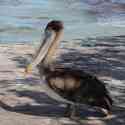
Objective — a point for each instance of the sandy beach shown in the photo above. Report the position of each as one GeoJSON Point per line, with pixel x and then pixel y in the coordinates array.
{"type": "Point", "coordinates": [23, 101]}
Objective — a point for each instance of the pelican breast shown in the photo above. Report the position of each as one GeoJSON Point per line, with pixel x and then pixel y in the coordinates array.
{"type": "Point", "coordinates": [66, 82]}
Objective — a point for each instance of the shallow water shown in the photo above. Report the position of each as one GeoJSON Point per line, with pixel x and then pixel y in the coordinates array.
{"type": "Point", "coordinates": [23, 20]}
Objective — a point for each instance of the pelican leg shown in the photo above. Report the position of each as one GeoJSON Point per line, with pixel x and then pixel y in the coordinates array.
{"type": "Point", "coordinates": [71, 110]}
{"type": "Point", "coordinates": [67, 111]}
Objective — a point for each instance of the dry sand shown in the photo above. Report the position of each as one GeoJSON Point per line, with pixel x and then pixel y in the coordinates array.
{"type": "Point", "coordinates": [24, 102]}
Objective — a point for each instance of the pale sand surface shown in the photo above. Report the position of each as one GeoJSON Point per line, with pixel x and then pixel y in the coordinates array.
{"type": "Point", "coordinates": [27, 101]}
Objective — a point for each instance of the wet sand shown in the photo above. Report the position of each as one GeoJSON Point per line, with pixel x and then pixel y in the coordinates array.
{"type": "Point", "coordinates": [23, 101]}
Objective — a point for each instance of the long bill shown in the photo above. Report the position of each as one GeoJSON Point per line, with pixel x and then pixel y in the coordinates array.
{"type": "Point", "coordinates": [42, 52]}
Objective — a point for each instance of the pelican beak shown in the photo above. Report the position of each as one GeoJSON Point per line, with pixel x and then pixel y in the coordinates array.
{"type": "Point", "coordinates": [28, 69]}
{"type": "Point", "coordinates": [41, 53]}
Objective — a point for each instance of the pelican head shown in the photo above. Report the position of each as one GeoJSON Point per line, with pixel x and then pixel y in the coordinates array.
{"type": "Point", "coordinates": [54, 25]}
{"type": "Point", "coordinates": [52, 36]}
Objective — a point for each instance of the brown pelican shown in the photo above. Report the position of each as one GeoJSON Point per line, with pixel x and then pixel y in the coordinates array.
{"type": "Point", "coordinates": [68, 85]}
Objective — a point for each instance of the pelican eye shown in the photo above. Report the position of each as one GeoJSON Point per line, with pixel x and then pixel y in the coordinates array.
{"type": "Point", "coordinates": [48, 33]}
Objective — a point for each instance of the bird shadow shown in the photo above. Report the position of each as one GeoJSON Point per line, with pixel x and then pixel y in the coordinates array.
{"type": "Point", "coordinates": [44, 105]}
{"type": "Point", "coordinates": [47, 107]}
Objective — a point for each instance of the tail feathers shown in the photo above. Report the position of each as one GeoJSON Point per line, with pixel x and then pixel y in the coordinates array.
{"type": "Point", "coordinates": [104, 102]}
